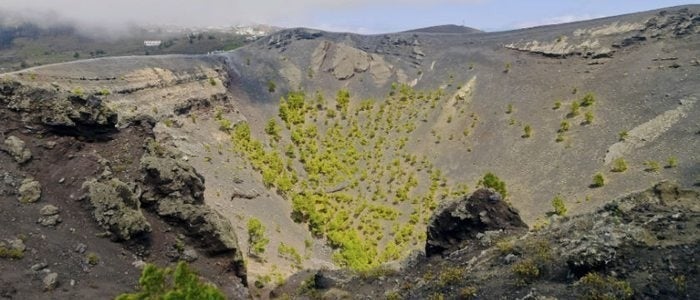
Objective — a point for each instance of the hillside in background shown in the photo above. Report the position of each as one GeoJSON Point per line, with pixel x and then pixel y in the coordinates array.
{"type": "Point", "coordinates": [308, 150]}
{"type": "Point", "coordinates": [27, 44]}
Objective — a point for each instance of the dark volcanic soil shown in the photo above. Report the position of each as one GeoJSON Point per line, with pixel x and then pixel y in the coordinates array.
{"type": "Point", "coordinates": [61, 164]}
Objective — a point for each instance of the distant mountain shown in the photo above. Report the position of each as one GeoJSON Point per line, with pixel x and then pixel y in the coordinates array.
{"type": "Point", "coordinates": [449, 28]}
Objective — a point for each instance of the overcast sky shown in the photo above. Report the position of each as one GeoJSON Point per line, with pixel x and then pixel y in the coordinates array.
{"type": "Point", "coordinates": [363, 16]}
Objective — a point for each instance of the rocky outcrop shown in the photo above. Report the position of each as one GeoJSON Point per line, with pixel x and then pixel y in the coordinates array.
{"type": "Point", "coordinates": [344, 62]}
{"type": "Point", "coordinates": [17, 149]}
{"type": "Point", "coordinates": [73, 114]}
{"type": "Point", "coordinates": [458, 222]}
{"type": "Point", "coordinates": [29, 191]}
{"type": "Point", "coordinates": [116, 208]}
{"type": "Point", "coordinates": [49, 216]}
{"type": "Point", "coordinates": [175, 191]}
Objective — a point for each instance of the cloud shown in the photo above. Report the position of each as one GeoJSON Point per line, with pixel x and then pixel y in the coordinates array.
{"type": "Point", "coordinates": [191, 12]}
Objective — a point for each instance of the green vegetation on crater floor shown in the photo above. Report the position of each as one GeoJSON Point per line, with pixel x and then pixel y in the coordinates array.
{"type": "Point", "coordinates": [346, 169]}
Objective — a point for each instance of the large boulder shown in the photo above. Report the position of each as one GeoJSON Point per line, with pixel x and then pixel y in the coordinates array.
{"type": "Point", "coordinates": [116, 208]}
{"type": "Point", "coordinates": [456, 223]}
{"type": "Point", "coordinates": [17, 149]}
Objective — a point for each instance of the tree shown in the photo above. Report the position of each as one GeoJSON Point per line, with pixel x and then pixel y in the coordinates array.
{"type": "Point", "coordinates": [598, 180]}
{"type": "Point", "coordinates": [182, 283]}
{"type": "Point", "coordinates": [256, 236]}
{"type": "Point", "coordinates": [492, 181]}
{"type": "Point", "coordinates": [559, 206]}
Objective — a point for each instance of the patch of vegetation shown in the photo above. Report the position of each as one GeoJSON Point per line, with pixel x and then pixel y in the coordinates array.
{"type": "Point", "coordinates": [256, 237]}
{"type": "Point", "coordinates": [588, 118]}
{"type": "Point", "coordinates": [588, 100]}
{"type": "Point", "coordinates": [507, 68]}
{"type": "Point", "coordinates": [526, 270]}
{"type": "Point", "coordinates": [557, 105]}
{"type": "Point", "coordinates": [559, 208]}
{"type": "Point", "coordinates": [622, 136]}
{"type": "Point", "coordinates": [181, 283]}
{"type": "Point", "coordinates": [652, 166]}
{"type": "Point", "coordinates": [509, 109]}
{"type": "Point", "coordinates": [527, 131]}
{"type": "Point", "coordinates": [11, 253]}
{"type": "Point", "coordinates": [598, 180]}
{"type": "Point", "coordinates": [271, 86]}
{"type": "Point", "coordinates": [564, 126]}
{"type": "Point", "coordinates": [619, 165]}
{"type": "Point", "coordinates": [492, 181]}
{"type": "Point", "coordinates": [212, 81]}
{"type": "Point", "coordinates": [92, 258]}
{"type": "Point", "coordinates": [451, 276]}
{"type": "Point", "coordinates": [346, 170]}
{"type": "Point", "coordinates": [575, 109]}
{"type": "Point", "coordinates": [595, 286]}
{"type": "Point", "coordinates": [291, 253]}
{"type": "Point", "coordinates": [672, 162]}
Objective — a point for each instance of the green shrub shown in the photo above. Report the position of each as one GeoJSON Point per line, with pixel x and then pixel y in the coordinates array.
{"type": "Point", "coordinates": [10, 253]}
{"type": "Point", "coordinates": [182, 283]}
{"type": "Point", "coordinates": [559, 206]}
{"type": "Point", "coordinates": [652, 166]}
{"type": "Point", "coordinates": [92, 258]}
{"type": "Point", "coordinates": [588, 117]}
{"type": "Point", "coordinates": [527, 131]}
{"type": "Point", "coordinates": [672, 162]}
{"type": "Point", "coordinates": [256, 236]}
{"type": "Point", "coordinates": [619, 165]}
{"type": "Point", "coordinates": [492, 181]}
{"type": "Point", "coordinates": [271, 86]}
{"type": "Point", "coordinates": [595, 286]}
{"type": "Point", "coordinates": [291, 253]}
{"type": "Point", "coordinates": [526, 270]}
{"type": "Point", "coordinates": [623, 135]}
{"type": "Point", "coordinates": [557, 105]}
{"type": "Point", "coordinates": [564, 126]}
{"type": "Point", "coordinates": [509, 109]}
{"type": "Point", "coordinates": [598, 180]}
{"type": "Point", "coordinates": [507, 68]}
{"type": "Point", "coordinates": [588, 100]}
{"type": "Point", "coordinates": [212, 81]}
{"type": "Point", "coordinates": [451, 276]}
{"type": "Point", "coordinates": [575, 109]}
{"type": "Point", "coordinates": [559, 138]}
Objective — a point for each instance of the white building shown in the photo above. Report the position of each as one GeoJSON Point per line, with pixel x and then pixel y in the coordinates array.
{"type": "Point", "coordinates": [154, 43]}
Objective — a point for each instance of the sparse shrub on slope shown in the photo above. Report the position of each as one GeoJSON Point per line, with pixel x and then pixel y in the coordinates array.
{"type": "Point", "coordinates": [256, 237]}
{"type": "Point", "coordinates": [598, 180]}
{"type": "Point", "coordinates": [559, 208]}
{"type": "Point", "coordinates": [492, 181]}
{"type": "Point", "coordinates": [181, 283]}
{"type": "Point", "coordinates": [619, 165]}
